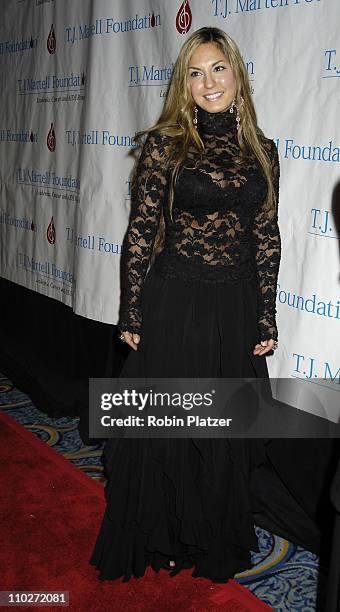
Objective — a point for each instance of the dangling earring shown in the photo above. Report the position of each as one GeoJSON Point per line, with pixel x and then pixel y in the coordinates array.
{"type": "Point", "coordinates": [238, 116]}
{"type": "Point", "coordinates": [195, 118]}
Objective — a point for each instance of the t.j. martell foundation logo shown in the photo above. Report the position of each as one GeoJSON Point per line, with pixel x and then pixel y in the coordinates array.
{"type": "Point", "coordinates": [51, 139]}
{"type": "Point", "coordinates": [50, 233]}
{"type": "Point", "coordinates": [51, 41]}
{"type": "Point", "coordinates": [184, 18]}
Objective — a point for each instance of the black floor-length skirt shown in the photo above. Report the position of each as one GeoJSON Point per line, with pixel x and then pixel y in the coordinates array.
{"type": "Point", "coordinates": [185, 499]}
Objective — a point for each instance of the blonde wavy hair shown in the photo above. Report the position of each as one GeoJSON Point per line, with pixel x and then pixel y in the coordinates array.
{"type": "Point", "coordinates": [176, 118]}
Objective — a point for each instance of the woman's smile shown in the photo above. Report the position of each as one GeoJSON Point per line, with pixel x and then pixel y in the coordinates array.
{"type": "Point", "coordinates": [215, 96]}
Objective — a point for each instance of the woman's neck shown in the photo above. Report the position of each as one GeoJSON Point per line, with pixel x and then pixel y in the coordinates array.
{"type": "Point", "coordinates": [216, 123]}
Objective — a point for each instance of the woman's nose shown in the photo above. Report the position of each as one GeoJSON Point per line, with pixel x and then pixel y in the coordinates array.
{"type": "Point", "coordinates": [209, 80]}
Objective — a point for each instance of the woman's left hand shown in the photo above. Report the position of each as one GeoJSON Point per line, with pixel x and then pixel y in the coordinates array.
{"type": "Point", "coordinates": [264, 347]}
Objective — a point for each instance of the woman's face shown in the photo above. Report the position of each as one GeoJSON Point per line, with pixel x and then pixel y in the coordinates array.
{"type": "Point", "coordinates": [212, 82]}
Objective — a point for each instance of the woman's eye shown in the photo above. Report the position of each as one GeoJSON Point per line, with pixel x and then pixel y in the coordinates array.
{"type": "Point", "coordinates": [193, 74]}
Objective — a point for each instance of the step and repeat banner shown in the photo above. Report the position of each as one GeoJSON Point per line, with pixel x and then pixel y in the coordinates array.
{"type": "Point", "coordinates": [79, 78]}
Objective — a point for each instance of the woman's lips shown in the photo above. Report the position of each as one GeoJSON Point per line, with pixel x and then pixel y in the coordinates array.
{"type": "Point", "coordinates": [212, 97]}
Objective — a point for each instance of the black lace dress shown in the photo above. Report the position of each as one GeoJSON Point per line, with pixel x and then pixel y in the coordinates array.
{"type": "Point", "coordinates": [200, 308]}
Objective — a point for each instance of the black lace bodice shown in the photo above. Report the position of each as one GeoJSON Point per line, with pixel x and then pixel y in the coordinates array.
{"type": "Point", "coordinates": [219, 231]}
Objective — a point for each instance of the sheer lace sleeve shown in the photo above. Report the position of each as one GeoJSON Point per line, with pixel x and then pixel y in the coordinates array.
{"type": "Point", "coordinates": [267, 249]}
{"type": "Point", "coordinates": [147, 194]}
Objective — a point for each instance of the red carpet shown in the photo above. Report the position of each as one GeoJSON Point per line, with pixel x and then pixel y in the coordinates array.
{"type": "Point", "coordinates": [50, 514]}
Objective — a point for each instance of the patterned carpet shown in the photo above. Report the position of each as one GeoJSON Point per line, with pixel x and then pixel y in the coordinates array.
{"type": "Point", "coordinates": [285, 576]}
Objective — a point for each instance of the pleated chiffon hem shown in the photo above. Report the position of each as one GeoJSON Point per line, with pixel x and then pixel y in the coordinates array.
{"type": "Point", "coordinates": [199, 516]}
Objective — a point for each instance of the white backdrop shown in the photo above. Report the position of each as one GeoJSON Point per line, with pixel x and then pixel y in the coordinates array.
{"type": "Point", "coordinates": [79, 78]}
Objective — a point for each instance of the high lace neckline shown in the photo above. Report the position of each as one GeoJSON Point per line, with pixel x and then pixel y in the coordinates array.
{"type": "Point", "coordinates": [216, 123]}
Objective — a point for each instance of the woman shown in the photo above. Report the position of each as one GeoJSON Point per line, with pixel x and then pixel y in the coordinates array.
{"type": "Point", "coordinates": [199, 272]}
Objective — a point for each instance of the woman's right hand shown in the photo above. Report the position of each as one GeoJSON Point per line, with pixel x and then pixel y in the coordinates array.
{"type": "Point", "coordinates": [131, 339]}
